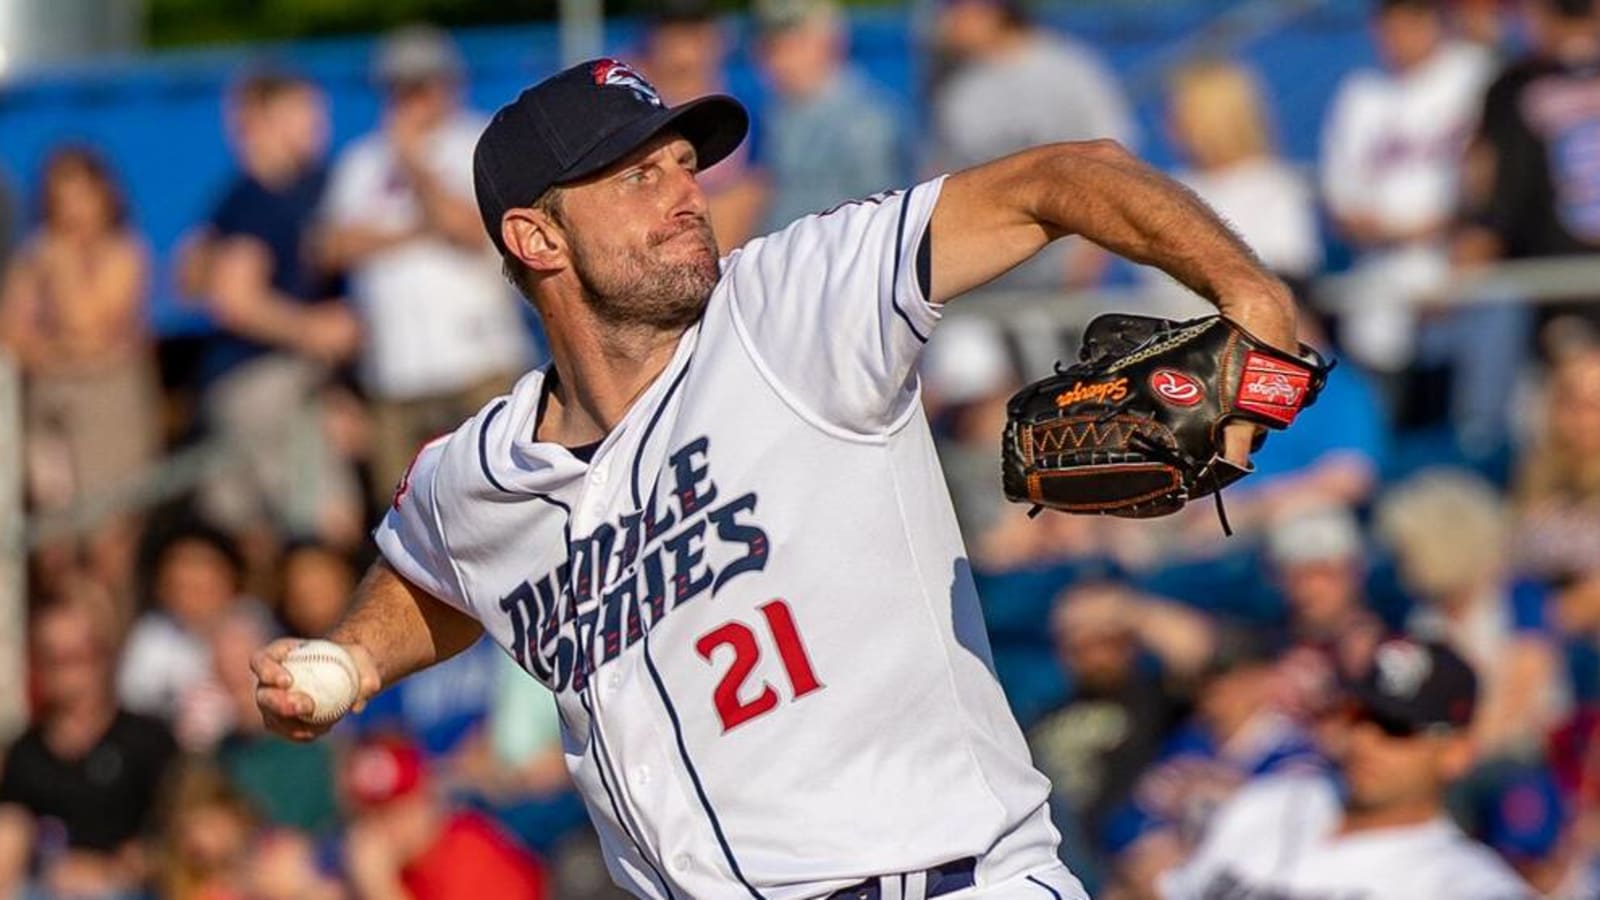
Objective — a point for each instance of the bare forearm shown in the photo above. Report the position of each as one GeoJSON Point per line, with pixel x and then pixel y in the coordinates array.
{"type": "Point", "coordinates": [401, 626]}
{"type": "Point", "coordinates": [350, 245]}
{"type": "Point", "coordinates": [1103, 193]}
{"type": "Point", "coordinates": [995, 216]}
{"type": "Point", "coordinates": [266, 317]}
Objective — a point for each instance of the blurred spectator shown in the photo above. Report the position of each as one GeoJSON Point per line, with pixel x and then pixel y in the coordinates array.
{"type": "Point", "coordinates": [683, 53]}
{"type": "Point", "coordinates": [443, 332]}
{"type": "Point", "coordinates": [1531, 188]}
{"type": "Point", "coordinates": [1558, 482]}
{"type": "Point", "coordinates": [444, 707]}
{"type": "Point", "coordinates": [524, 738]}
{"type": "Point", "coordinates": [73, 313]}
{"type": "Point", "coordinates": [1016, 86]}
{"type": "Point", "coordinates": [317, 582]}
{"type": "Point", "coordinates": [1391, 165]}
{"type": "Point", "coordinates": [1317, 560]}
{"type": "Point", "coordinates": [968, 374]}
{"type": "Point", "coordinates": [1095, 747]}
{"type": "Point", "coordinates": [286, 783]}
{"type": "Point", "coordinates": [1484, 22]}
{"type": "Point", "coordinates": [830, 135]}
{"type": "Point", "coordinates": [1574, 756]}
{"type": "Point", "coordinates": [1450, 533]}
{"type": "Point", "coordinates": [195, 583]}
{"type": "Point", "coordinates": [79, 786]}
{"type": "Point", "coordinates": [405, 842]}
{"type": "Point", "coordinates": [206, 839]}
{"type": "Point", "coordinates": [263, 374]}
{"type": "Point", "coordinates": [1219, 121]}
{"type": "Point", "coordinates": [520, 775]}
{"type": "Point", "coordinates": [9, 226]}
{"type": "Point", "coordinates": [1384, 834]}
{"type": "Point", "coordinates": [1238, 732]}
{"type": "Point", "coordinates": [283, 865]}
{"type": "Point", "coordinates": [1526, 822]}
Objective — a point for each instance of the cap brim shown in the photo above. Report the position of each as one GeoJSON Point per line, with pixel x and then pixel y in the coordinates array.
{"type": "Point", "coordinates": [1379, 706]}
{"type": "Point", "coordinates": [714, 124]}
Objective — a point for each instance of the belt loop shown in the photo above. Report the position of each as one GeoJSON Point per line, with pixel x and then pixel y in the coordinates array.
{"type": "Point", "coordinates": [916, 886]}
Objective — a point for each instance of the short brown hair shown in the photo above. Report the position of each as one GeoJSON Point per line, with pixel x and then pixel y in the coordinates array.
{"type": "Point", "coordinates": [262, 86]}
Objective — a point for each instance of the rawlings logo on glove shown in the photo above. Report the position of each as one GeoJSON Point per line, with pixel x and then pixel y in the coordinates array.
{"type": "Point", "coordinates": [1134, 428]}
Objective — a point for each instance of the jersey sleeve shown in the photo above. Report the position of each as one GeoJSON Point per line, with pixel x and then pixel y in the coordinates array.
{"type": "Point", "coordinates": [411, 536]}
{"type": "Point", "coordinates": [834, 311]}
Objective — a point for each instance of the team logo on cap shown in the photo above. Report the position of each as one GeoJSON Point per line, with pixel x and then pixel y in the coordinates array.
{"type": "Point", "coordinates": [1402, 668]}
{"type": "Point", "coordinates": [610, 72]}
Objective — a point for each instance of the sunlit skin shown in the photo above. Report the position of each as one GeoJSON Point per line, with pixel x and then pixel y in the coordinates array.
{"type": "Point", "coordinates": [70, 659]}
{"type": "Point", "coordinates": [77, 203]}
{"type": "Point", "coordinates": [618, 272]}
{"type": "Point", "coordinates": [279, 136]}
{"type": "Point", "coordinates": [1576, 392]}
{"type": "Point", "coordinates": [1394, 781]}
{"type": "Point", "coordinates": [1321, 594]}
{"type": "Point", "coordinates": [1406, 36]}
{"type": "Point", "coordinates": [682, 59]}
{"type": "Point", "coordinates": [195, 583]}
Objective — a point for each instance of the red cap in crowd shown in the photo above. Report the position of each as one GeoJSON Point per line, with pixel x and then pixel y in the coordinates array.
{"type": "Point", "coordinates": [380, 770]}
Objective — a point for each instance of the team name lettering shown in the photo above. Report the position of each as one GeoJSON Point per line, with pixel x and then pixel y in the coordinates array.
{"type": "Point", "coordinates": [627, 575]}
{"type": "Point", "coordinates": [1095, 391]}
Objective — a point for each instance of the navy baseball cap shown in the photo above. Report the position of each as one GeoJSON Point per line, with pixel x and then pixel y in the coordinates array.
{"type": "Point", "coordinates": [579, 121]}
{"type": "Point", "coordinates": [1415, 687]}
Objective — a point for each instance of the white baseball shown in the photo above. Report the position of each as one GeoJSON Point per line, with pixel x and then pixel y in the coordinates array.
{"type": "Point", "coordinates": [324, 671]}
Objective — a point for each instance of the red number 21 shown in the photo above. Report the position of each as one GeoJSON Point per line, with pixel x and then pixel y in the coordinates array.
{"type": "Point", "coordinates": [746, 654]}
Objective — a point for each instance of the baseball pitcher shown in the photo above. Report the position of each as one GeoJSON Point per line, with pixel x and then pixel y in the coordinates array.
{"type": "Point", "coordinates": [715, 525]}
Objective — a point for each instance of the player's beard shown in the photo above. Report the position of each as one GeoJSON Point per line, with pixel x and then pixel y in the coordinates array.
{"type": "Point", "coordinates": [638, 288]}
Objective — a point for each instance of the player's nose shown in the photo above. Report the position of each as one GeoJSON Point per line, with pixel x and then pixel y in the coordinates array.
{"type": "Point", "coordinates": [687, 196]}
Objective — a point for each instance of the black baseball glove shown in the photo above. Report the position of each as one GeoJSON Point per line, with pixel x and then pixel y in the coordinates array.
{"type": "Point", "coordinates": [1134, 428]}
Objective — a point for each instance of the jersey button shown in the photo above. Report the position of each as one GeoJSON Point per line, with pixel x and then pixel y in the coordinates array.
{"type": "Point", "coordinates": [614, 680]}
{"type": "Point", "coordinates": [597, 476]}
{"type": "Point", "coordinates": [680, 863]}
{"type": "Point", "coordinates": [641, 776]}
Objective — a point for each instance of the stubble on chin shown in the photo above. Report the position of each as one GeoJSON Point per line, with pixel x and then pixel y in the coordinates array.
{"type": "Point", "coordinates": [641, 289]}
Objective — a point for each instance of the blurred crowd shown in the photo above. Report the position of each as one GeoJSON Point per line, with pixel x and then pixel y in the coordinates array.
{"type": "Point", "coordinates": [1440, 503]}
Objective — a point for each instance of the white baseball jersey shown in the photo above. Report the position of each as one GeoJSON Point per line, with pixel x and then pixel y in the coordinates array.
{"type": "Point", "coordinates": [753, 603]}
{"type": "Point", "coordinates": [1392, 144]}
{"type": "Point", "coordinates": [1277, 840]}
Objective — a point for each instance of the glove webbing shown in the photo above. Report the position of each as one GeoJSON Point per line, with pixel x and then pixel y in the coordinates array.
{"type": "Point", "coordinates": [1161, 452]}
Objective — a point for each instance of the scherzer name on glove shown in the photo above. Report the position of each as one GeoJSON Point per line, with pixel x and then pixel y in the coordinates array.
{"type": "Point", "coordinates": [1134, 428]}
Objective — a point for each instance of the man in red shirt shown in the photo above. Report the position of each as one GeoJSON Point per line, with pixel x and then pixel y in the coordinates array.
{"type": "Point", "coordinates": [405, 843]}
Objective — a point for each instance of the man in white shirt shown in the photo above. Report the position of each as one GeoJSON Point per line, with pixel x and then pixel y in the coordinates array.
{"type": "Point", "coordinates": [1018, 85]}
{"type": "Point", "coordinates": [1380, 832]}
{"type": "Point", "coordinates": [443, 334]}
{"type": "Point", "coordinates": [1391, 164]}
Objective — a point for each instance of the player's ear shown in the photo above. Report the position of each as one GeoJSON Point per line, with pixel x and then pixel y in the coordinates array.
{"type": "Point", "coordinates": [535, 238]}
